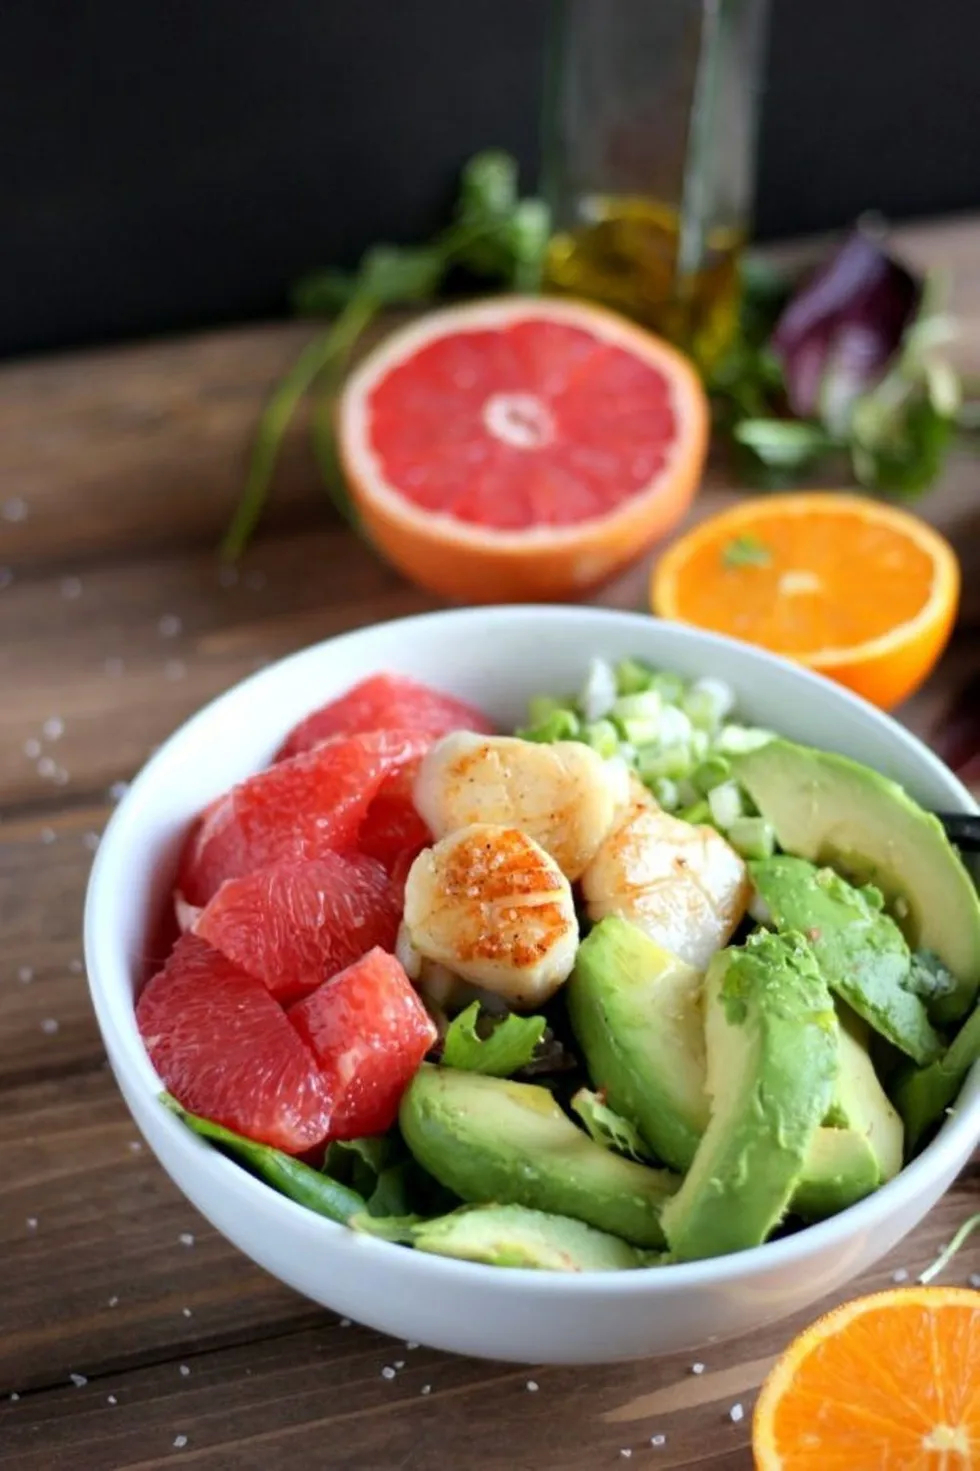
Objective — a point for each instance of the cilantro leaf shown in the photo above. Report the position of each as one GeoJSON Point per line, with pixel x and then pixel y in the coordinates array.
{"type": "Point", "coordinates": [505, 1046]}
{"type": "Point", "coordinates": [608, 1128]}
{"type": "Point", "coordinates": [746, 551]}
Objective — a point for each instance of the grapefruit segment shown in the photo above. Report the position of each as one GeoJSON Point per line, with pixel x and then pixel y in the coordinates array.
{"type": "Point", "coordinates": [393, 832]}
{"type": "Point", "coordinates": [225, 1049]}
{"type": "Point", "coordinates": [370, 1032]}
{"type": "Point", "coordinates": [297, 810]}
{"type": "Point", "coordinates": [294, 925]}
{"type": "Point", "coordinates": [385, 702]}
{"type": "Point", "coordinates": [522, 448]}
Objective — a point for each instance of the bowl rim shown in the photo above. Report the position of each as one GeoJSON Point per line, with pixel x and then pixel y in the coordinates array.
{"type": "Point", "coordinates": [106, 971]}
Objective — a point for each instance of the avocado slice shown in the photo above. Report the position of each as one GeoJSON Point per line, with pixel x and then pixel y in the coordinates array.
{"type": "Point", "coordinates": [492, 1140]}
{"type": "Point", "coordinates": [862, 953]}
{"type": "Point", "coordinates": [835, 811]}
{"type": "Point", "coordinates": [923, 1095]}
{"type": "Point", "coordinates": [840, 1169]}
{"type": "Point", "coordinates": [635, 1010]}
{"type": "Point", "coordinates": [771, 1042]}
{"type": "Point", "coordinates": [511, 1236]}
{"type": "Point", "coordinates": [860, 1102]}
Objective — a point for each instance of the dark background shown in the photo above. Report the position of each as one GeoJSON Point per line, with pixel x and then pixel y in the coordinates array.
{"type": "Point", "coordinates": [172, 163]}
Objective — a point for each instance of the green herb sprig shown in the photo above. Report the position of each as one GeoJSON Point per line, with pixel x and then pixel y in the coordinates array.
{"type": "Point", "coordinates": [495, 235]}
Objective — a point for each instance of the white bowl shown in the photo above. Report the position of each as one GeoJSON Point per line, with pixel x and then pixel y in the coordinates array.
{"type": "Point", "coordinates": [496, 658]}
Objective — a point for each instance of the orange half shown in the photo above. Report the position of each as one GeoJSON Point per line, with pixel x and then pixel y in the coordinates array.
{"type": "Point", "coordinates": [859, 590]}
{"type": "Point", "coordinates": [890, 1382]}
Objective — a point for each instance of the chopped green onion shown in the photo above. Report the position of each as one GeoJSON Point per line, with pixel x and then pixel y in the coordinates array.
{"type": "Point", "coordinates": [632, 677]}
{"type": "Point", "coordinates": [599, 691]}
{"type": "Point", "coordinates": [672, 761]}
{"type": "Point", "coordinates": [541, 707]}
{"type": "Point", "coordinates": [736, 740]}
{"type": "Point", "coordinates": [603, 737]}
{"type": "Point", "coordinates": [752, 837]}
{"type": "Point", "coordinates": [560, 725]}
{"type": "Point", "coordinates": [666, 793]}
{"type": "Point", "coordinates": [698, 812]}
{"type": "Point", "coordinates": [711, 773]}
{"type": "Point", "coordinates": [646, 705]}
{"type": "Point", "coordinates": [725, 802]}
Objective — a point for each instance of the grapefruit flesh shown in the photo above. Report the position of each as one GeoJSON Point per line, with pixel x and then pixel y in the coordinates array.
{"type": "Point", "coordinates": [370, 1032]}
{"type": "Point", "coordinates": [225, 1049]}
{"type": "Point", "coordinates": [524, 448]}
{"type": "Point", "coordinates": [294, 925]}
{"type": "Point", "coordinates": [385, 702]}
{"type": "Point", "coordinates": [393, 832]}
{"type": "Point", "coordinates": [297, 810]}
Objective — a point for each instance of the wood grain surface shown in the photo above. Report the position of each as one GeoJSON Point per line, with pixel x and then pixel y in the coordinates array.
{"type": "Point", "coordinates": [117, 471]}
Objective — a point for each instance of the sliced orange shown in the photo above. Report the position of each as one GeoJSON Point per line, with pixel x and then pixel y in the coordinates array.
{"type": "Point", "coordinates": [863, 592]}
{"type": "Point", "coordinates": [520, 449]}
{"type": "Point", "coordinates": [890, 1382]}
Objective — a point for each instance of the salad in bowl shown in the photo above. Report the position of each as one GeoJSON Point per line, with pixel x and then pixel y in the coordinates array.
{"type": "Point", "coordinates": [633, 983]}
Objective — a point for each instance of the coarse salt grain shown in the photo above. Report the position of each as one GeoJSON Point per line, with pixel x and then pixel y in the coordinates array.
{"type": "Point", "coordinates": [410, 1346]}
{"type": "Point", "coordinates": [15, 509]}
{"type": "Point", "coordinates": [531, 1386]}
{"type": "Point", "coordinates": [399, 1363]}
{"type": "Point", "coordinates": [71, 588]}
{"type": "Point", "coordinates": [118, 790]}
{"type": "Point", "coordinates": [426, 1389]}
{"type": "Point", "coordinates": [14, 1396]}
{"type": "Point", "coordinates": [53, 728]}
{"type": "Point", "coordinates": [697, 1368]}
{"type": "Point", "coordinates": [658, 1440]}
{"type": "Point", "coordinates": [185, 1238]}
{"type": "Point", "coordinates": [975, 1279]}
{"type": "Point", "coordinates": [90, 841]}
{"type": "Point", "coordinates": [185, 1369]}
{"type": "Point", "coordinates": [47, 766]}
{"type": "Point", "coordinates": [169, 625]}
{"type": "Point", "coordinates": [25, 975]}
{"type": "Point", "coordinates": [187, 1312]}
{"type": "Point", "coordinates": [32, 1223]}
{"type": "Point", "coordinates": [345, 1322]}
{"type": "Point", "coordinates": [32, 748]}
{"type": "Point", "coordinates": [113, 1302]}
{"type": "Point", "coordinates": [60, 776]}
{"type": "Point", "coordinates": [75, 966]}
{"type": "Point", "coordinates": [736, 1413]}
{"type": "Point", "coordinates": [387, 1372]}
{"type": "Point", "coordinates": [79, 1380]}
{"type": "Point", "coordinates": [626, 1453]}
{"type": "Point", "coordinates": [901, 1275]}
{"type": "Point", "coordinates": [111, 1399]}
{"type": "Point", "coordinates": [135, 1145]}
{"type": "Point", "coordinates": [49, 1026]}
{"type": "Point", "coordinates": [179, 1442]}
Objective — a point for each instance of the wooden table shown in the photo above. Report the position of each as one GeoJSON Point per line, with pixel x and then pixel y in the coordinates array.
{"type": "Point", "coordinates": [133, 1336]}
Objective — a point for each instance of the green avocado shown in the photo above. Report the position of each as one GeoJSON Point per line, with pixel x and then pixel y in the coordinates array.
{"type": "Point", "coordinates": [835, 811]}
{"type": "Point", "coordinates": [922, 1095]}
{"type": "Point", "coordinates": [511, 1236]}
{"type": "Point", "coordinates": [771, 1041]}
{"type": "Point", "coordinates": [635, 1010]}
{"type": "Point", "coordinates": [491, 1140]}
{"type": "Point", "coordinates": [840, 1169]}
{"type": "Point", "coordinates": [861, 952]}
{"type": "Point", "coordinates": [860, 1102]}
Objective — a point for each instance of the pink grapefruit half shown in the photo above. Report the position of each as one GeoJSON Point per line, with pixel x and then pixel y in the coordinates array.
{"type": "Point", "coordinates": [521, 449]}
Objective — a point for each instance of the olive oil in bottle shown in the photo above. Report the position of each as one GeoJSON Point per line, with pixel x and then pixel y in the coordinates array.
{"type": "Point", "coordinates": [648, 159]}
{"type": "Point", "coordinates": [628, 257]}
